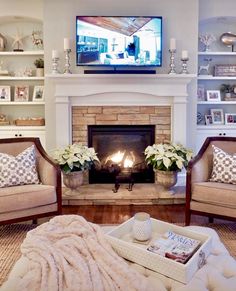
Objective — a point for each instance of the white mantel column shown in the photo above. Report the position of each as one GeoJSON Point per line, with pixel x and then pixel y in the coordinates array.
{"type": "Point", "coordinates": [63, 121]}
{"type": "Point", "coordinates": [179, 120]}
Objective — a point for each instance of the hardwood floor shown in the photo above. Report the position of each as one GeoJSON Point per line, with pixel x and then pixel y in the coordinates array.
{"type": "Point", "coordinates": [116, 214]}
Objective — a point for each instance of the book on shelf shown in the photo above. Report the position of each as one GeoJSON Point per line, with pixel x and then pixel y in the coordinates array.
{"type": "Point", "coordinates": [175, 246]}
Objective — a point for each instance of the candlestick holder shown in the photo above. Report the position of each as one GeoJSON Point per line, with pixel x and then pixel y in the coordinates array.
{"type": "Point", "coordinates": [67, 61]}
{"type": "Point", "coordinates": [55, 62]}
{"type": "Point", "coordinates": [184, 65]}
{"type": "Point", "coordinates": [172, 61]}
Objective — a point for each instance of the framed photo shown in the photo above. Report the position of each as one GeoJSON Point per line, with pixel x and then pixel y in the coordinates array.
{"type": "Point", "coordinates": [38, 94]}
{"type": "Point", "coordinates": [230, 118]}
{"type": "Point", "coordinates": [201, 93]}
{"type": "Point", "coordinates": [213, 95]}
{"type": "Point", "coordinates": [217, 116]}
{"type": "Point", "coordinates": [208, 119]}
{"type": "Point", "coordinates": [21, 93]}
{"type": "Point", "coordinates": [5, 93]}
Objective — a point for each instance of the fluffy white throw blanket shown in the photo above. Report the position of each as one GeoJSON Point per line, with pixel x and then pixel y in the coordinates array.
{"type": "Point", "coordinates": [69, 253]}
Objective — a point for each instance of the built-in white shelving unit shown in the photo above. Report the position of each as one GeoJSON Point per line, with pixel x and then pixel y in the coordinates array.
{"type": "Point", "coordinates": [16, 63]}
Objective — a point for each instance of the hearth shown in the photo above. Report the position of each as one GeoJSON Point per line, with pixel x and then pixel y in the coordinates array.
{"type": "Point", "coordinates": [120, 149]}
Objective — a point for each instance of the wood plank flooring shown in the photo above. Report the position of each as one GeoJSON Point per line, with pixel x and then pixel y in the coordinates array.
{"type": "Point", "coordinates": [116, 214]}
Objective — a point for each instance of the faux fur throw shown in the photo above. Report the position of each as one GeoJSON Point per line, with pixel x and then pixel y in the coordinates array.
{"type": "Point", "coordinates": [69, 253]}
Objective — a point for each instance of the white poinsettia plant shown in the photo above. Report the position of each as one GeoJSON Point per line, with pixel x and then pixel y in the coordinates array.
{"type": "Point", "coordinates": [168, 157]}
{"type": "Point", "coordinates": [75, 157]}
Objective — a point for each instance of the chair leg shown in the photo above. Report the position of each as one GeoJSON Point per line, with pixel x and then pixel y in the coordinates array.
{"type": "Point", "coordinates": [35, 221]}
{"type": "Point", "coordinates": [187, 217]}
{"type": "Point", "coordinates": [210, 219]}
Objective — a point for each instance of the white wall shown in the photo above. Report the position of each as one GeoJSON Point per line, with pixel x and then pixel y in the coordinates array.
{"type": "Point", "coordinates": [180, 20]}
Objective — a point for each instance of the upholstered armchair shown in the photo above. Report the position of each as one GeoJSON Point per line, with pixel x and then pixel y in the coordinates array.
{"type": "Point", "coordinates": [31, 201]}
{"type": "Point", "coordinates": [203, 197]}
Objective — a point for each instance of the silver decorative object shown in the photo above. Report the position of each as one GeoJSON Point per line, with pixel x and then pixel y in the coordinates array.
{"type": "Point", "coordinates": [172, 61]}
{"type": "Point", "coordinates": [55, 66]}
{"type": "Point", "coordinates": [228, 39]}
{"type": "Point", "coordinates": [67, 61]}
{"type": "Point", "coordinates": [184, 65]}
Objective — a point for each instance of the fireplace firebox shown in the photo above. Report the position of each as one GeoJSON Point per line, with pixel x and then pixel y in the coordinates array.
{"type": "Point", "coordinates": [120, 149]}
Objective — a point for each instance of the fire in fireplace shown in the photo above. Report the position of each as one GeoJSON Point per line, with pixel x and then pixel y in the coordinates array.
{"type": "Point", "coordinates": [120, 150]}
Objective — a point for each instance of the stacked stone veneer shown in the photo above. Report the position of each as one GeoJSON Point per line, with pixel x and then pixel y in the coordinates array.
{"type": "Point", "coordinates": [82, 116]}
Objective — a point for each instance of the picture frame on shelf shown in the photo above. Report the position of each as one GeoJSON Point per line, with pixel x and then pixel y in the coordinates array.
{"type": "Point", "coordinates": [201, 93]}
{"type": "Point", "coordinates": [38, 94]}
{"type": "Point", "coordinates": [208, 119]}
{"type": "Point", "coordinates": [230, 118]}
{"type": "Point", "coordinates": [5, 93]}
{"type": "Point", "coordinates": [213, 96]}
{"type": "Point", "coordinates": [21, 93]}
{"type": "Point", "coordinates": [217, 116]}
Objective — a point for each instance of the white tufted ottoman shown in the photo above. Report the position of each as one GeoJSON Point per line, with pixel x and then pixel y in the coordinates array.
{"type": "Point", "coordinates": [219, 274]}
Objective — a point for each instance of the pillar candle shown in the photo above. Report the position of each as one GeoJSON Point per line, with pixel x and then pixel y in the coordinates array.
{"type": "Point", "coordinates": [172, 43]}
{"type": "Point", "coordinates": [55, 54]}
{"type": "Point", "coordinates": [66, 43]}
{"type": "Point", "coordinates": [184, 54]}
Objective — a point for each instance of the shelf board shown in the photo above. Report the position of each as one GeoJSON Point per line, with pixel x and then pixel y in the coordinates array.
{"type": "Point", "coordinates": [217, 53]}
{"type": "Point", "coordinates": [27, 103]}
{"type": "Point", "coordinates": [14, 127]}
{"type": "Point", "coordinates": [209, 77]}
{"type": "Point", "coordinates": [24, 53]}
{"type": "Point", "coordinates": [216, 126]}
{"type": "Point", "coordinates": [9, 78]}
{"type": "Point", "coordinates": [219, 102]}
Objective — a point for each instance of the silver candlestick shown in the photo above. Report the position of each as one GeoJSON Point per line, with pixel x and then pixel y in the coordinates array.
{"type": "Point", "coordinates": [67, 61]}
{"type": "Point", "coordinates": [55, 66]}
{"type": "Point", "coordinates": [184, 65]}
{"type": "Point", "coordinates": [172, 61]}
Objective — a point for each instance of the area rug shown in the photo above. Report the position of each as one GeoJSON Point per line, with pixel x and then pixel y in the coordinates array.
{"type": "Point", "coordinates": [11, 237]}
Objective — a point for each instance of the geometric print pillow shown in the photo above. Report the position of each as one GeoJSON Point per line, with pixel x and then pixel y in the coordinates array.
{"type": "Point", "coordinates": [224, 167]}
{"type": "Point", "coordinates": [18, 170]}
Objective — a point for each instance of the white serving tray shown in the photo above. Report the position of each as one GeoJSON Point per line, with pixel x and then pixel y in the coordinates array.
{"type": "Point", "coordinates": [122, 242]}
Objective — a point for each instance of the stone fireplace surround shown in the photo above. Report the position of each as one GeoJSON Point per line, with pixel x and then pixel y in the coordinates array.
{"type": "Point", "coordinates": [120, 99]}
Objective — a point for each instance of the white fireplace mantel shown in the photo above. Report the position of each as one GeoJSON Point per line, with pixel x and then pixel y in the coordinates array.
{"type": "Point", "coordinates": [120, 90]}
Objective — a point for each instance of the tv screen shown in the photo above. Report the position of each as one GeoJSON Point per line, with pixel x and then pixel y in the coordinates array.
{"type": "Point", "coordinates": [118, 41]}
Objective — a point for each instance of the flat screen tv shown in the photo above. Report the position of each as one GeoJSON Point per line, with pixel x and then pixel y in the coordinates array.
{"type": "Point", "coordinates": [119, 41]}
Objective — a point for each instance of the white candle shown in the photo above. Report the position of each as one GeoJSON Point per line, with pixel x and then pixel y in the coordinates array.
{"type": "Point", "coordinates": [172, 44]}
{"type": "Point", "coordinates": [55, 54]}
{"type": "Point", "coordinates": [184, 54]}
{"type": "Point", "coordinates": [66, 43]}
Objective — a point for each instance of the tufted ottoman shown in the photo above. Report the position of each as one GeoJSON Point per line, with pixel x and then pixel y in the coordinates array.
{"type": "Point", "coordinates": [219, 273]}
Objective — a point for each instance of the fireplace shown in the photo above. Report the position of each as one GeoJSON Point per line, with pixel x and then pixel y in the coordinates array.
{"type": "Point", "coordinates": [120, 150]}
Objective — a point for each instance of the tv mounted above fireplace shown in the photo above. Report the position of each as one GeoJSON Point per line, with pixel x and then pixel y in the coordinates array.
{"type": "Point", "coordinates": [119, 41]}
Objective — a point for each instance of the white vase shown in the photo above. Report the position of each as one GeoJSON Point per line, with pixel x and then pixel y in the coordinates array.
{"type": "Point", "coordinates": [39, 72]}
{"type": "Point", "coordinates": [142, 227]}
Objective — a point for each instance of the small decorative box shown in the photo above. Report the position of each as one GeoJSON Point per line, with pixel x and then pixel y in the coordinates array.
{"type": "Point", "coordinates": [122, 241]}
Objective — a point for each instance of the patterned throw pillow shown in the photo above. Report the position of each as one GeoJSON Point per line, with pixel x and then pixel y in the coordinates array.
{"type": "Point", "coordinates": [224, 167]}
{"type": "Point", "coordinates": [18, 170]}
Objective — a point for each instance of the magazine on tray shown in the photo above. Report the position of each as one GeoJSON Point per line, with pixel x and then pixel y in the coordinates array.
{"type": "Point", "coordinates": [175, 246]}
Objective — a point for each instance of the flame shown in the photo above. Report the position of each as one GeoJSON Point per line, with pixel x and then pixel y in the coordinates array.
{"type": "Point", "coordinates": [128, 163]}
{"type": "Point", "coordinates": [117, 157]}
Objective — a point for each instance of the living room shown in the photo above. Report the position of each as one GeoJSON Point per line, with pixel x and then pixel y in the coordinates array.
{"type": "Point", "coordinates": [162, 95]}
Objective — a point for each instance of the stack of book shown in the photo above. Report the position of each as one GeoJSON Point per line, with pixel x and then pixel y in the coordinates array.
{"type": "Point", "coordinates": [175, 246]}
